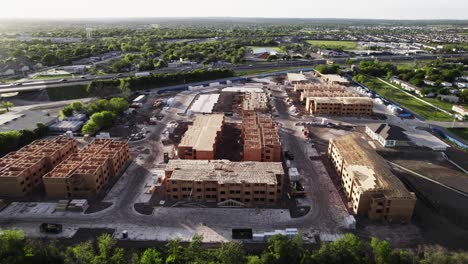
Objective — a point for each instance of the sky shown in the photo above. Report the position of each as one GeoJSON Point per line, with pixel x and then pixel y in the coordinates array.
{"type": "Point", "coordinates": [380, 9]}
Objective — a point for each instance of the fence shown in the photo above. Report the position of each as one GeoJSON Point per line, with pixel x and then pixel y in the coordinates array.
{"type": "Point", "coordinates": [449, 138]}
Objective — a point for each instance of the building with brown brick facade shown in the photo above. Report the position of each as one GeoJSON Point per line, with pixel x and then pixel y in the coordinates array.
{"type": "Point", "coordinates": [340, 106]}
{"type": "Point", "coordinates": [22, 171]}
{"type": "Point", "coordinates": [370, 186]}
{"type": "Point", "coordinates": [199, 141]}
{"type": "Point", "coordinates": [224, 182]}
{"type": "Point", "coordinates": [260, 138]}
{"type": "Point", "coordinates": [85, 173]}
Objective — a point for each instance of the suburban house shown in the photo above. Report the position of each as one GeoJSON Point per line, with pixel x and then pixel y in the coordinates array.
{"type": "Point", "coordinates": [387, 135]}
{"type": "Point", "coordinates": [448, 98]}
{"type": "Point", "coordinates": [407, 86]}
{"type": "Point", "coordinates": [461, 112]}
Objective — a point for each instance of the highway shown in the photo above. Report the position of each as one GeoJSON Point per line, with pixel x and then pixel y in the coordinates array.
{"type": "Point", "coordinates": [50, 83]}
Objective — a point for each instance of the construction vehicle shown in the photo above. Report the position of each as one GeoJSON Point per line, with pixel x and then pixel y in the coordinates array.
{"type": "Point", "coordinates": [166, 157]}
{"type": "Point", "coordinates": [298, 190]}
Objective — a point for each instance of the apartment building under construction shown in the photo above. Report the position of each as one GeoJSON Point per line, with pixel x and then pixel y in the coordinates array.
{"type": "Point", "coordinates": [85, 173]}
{"type": "Point", "coordinates": [22, 171]}
{"type": "Point", "coordinates": [201, 138]}
{"type": "Point", "coordinates": [255, 102]}
{"type": "Point", "coordinates": [260, 138]}
{"type": "Point", "coordinates": [340, 106]}
{"type": "Point", "coordinates": [230, 184]}
{"type": "Point", "coordinates": [371, 188]}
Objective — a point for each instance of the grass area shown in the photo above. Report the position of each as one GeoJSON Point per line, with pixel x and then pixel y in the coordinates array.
{"type": "Point", "coordinates": [459, 131]}
{"type": "Point", "coordinates": [405, 100]}
{"type": "Point", "coordinates": [334, 44]}
{"type": "Point", "coordinates": [262, 71]}
{"type": "Point", "coordinates": [46, 77]}
{"type": "Point", "coordinates": [277, 49]}
{"type": "Point", "coordinates": [67, 92]}
{"type": "Point", "coordinates": [444, 105]}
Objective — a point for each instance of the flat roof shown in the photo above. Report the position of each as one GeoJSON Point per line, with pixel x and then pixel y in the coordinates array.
{"type": "Point", "coordinates": [204, 103]}
{"type": "Point", "coordinates": [225, 171]}
{"type": "Point", "coordinates": [335, 78]}
{"type": "Point", "coordinates": [26, 119]}
{"type": "Point", "coordinates": [202, 134]}
{"type": "Point", "coordinates": [243, 89]}
{"type": "Point", "coordinates": [371, 170]}
{"type": "Point", "coordinates": [296, 77]}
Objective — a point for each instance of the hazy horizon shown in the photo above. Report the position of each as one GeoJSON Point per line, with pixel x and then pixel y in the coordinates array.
{"type": "Point", "coordinates": [303, 9]}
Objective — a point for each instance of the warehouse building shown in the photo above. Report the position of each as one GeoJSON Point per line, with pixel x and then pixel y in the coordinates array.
{"type": "Point", "coordinates": [370, 186]}
{"type": "Point", "coordinates": [255, 102]}
{"type": "Point", "coordinates": [260, 138]}
{"type": "Point", "coordinates": [22, 171]}
{"type": "Point", "coordinates": [340, 106]}
{"type": "Point", "coordinates": [85, 173]}
{"type": "Point", "coordinates": [201, 138]}
{"type": "Point", "coordinates": [230, 184]}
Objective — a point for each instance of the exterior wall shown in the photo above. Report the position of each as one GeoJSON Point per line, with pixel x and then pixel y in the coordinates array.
{"type": "Point", "coordinates": [86, 173]}
{"type": "Point", "coordinates": [337, 108]}
{"type": "Point", "coordinates": [391, 210]}
{"type": "Point", "coordinates": [260, 138]}
{"type": "Point", "coordinates": [210, 191]}
{"type": "Point", "coordinates": [22, 171]}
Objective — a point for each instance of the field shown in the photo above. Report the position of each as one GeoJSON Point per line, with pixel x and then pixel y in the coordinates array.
{"type": "Point", "coordinates": [406, 101]}
{"type": "Point", "coordinates": [67, 92]}
{"type": "Point", "coordinates": [277, 49]}
{"type": "Point", "coordinates": [334, 44]}
{"type": "Point", "coordinates": [460, 131]}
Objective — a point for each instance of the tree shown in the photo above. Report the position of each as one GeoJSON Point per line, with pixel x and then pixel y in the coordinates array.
{"type": "Point", "coordinates": [118, 105]}
{"type": "Point", "coordinates": [77, 106]}
{"type": "Point", "coordinates": [82, 253]}
{"type": "Point", "coordinates": [49, 59]}
{"type": "Point", "coordinates": [232, 253]}
{"type": "Point", "coordinates": [161, 64]}
{"type": "Point", "coordinates": [175, 252]}
{"type": "Point", "coordinates": [272, 57]}
{"type": "Point", "coordinates": [282, 250]}
{"type": "Point", "coordinates": [103, 119]}
{"type": "Point", "coordinates": [7, 105]}
{"type": "Point", "coordinates": [382, 251]}
{"type": "Point", "coordinates": [67, 111]}
{"type": "Point", "coordinates": [90, 128]}
{"type": "Point", "coordinates": [125, 88]}
{"type": "Point", "coordinates": [151, 256]}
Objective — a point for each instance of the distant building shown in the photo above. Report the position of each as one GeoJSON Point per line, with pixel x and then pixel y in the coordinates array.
{"type": "Point", "coordinates": [430, 83]}
{"type": "Point", "coordinates": [335, 79]}
{"type": "Point", "coordinates": [446, 84]}
{"type": "Point", "coordinates": [26, 119]}
{"type": "Point", "coordinates": [369, 184]}
{"type": "Point", "coordinates": [407, 86]}
{"type": "Point", "coordinates": [448, 98]}
{"type": "Point", "coordinates": [461, 111]}
{"type": "Point", "coordinates": [230, 184]}
{"type": "Point", "coordinates": [296, 78]}
{"type": "Point", "coordinates": [387, 135]}
{"type": "Point", "coordinates": [255, 102]}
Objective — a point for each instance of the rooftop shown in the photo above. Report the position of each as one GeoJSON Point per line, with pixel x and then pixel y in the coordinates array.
{"type": "Point", "coordinates": [225, 171]}
{"type": "Point", "coordinates": [368, 167]}
{"type": "Point", "coordinates": [296, 77]}
{"type": "Point", "coordinates": [388, 132]}
{"type": "Point", "coordinates": [26, 119]}
{"type": "Point", "coordinates": [202, 134]}
{"type": "Point", "coordinates": [335, 78]}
